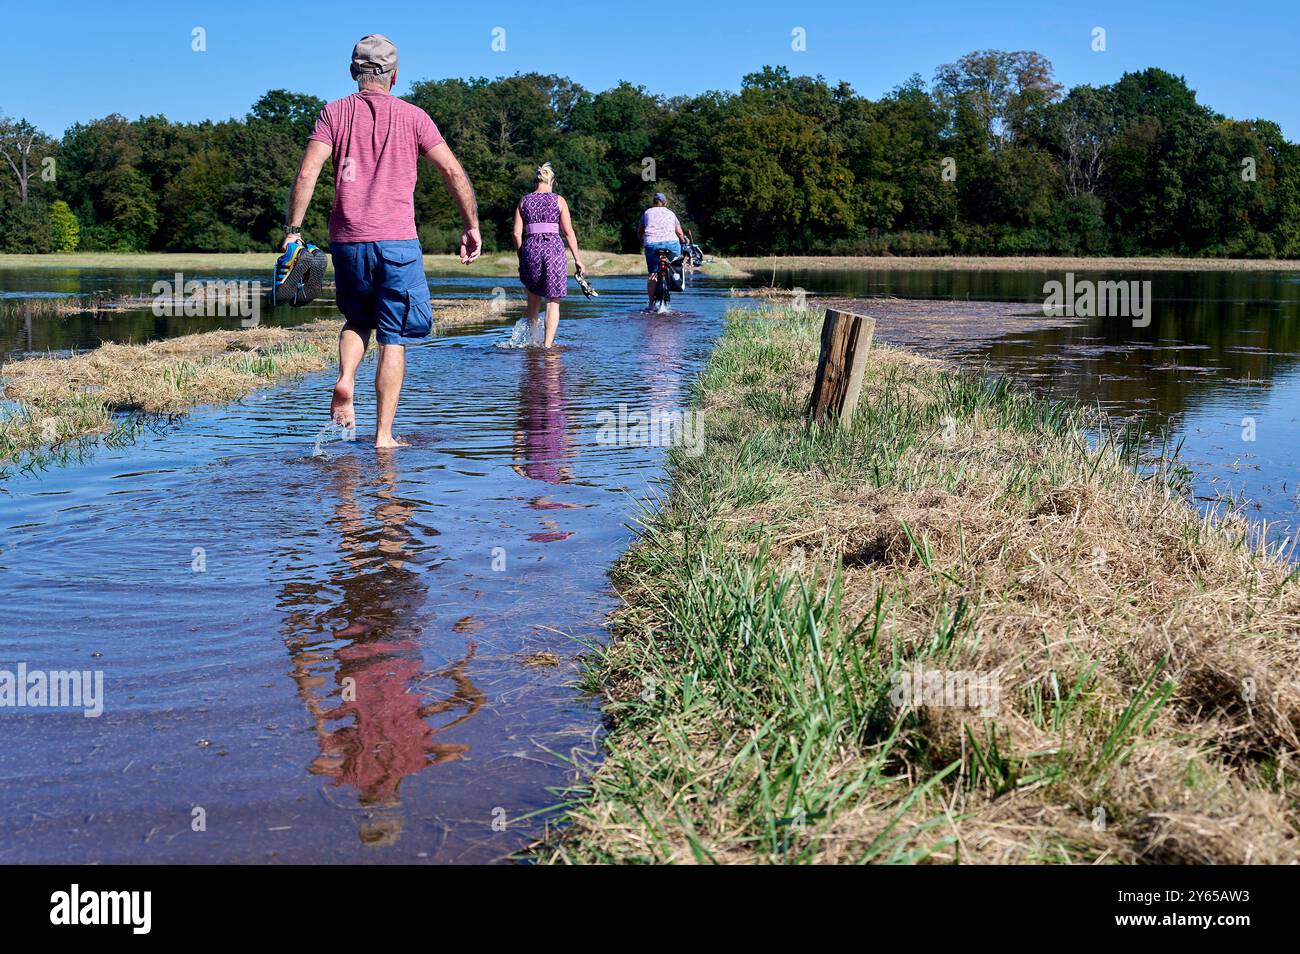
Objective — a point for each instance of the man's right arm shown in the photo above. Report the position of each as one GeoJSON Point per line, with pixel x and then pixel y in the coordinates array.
{"type": "Point", "coordinates": [304, 184]}
{"type": "Point", "coordinates": [462, 192]}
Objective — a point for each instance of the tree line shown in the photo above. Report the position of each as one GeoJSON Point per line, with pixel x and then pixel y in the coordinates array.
{"type": "Point", "coordinates": [993, 157]}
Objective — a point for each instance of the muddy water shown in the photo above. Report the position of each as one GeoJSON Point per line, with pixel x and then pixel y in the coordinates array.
{"type": "Point", "coordinates": [1217, 369]}
{"type": "Point", "coordinates": [347, 657]}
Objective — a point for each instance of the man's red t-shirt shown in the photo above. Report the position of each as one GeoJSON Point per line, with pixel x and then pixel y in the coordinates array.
{"type": "Point", "coordinates": [377, 141]}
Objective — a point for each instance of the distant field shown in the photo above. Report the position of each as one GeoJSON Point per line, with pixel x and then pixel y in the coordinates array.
{"type": "Point", "coordinates": [760, 266]}
{"type": "Point", "coordinates": [503, 264]}
{"type": "Point", "coordinates": [491, 264]}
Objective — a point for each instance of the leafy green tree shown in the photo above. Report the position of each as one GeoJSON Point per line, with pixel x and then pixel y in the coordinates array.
{"type": "Point", "coordinates": [67, 231]}
{"type": "Point", "coordinates": [991, 159]}
{"type": "Point", "coordinates": [637, 160]}
{"type": "Point", "coordinates": [23, 151]}
{"type": "Point", "coordinates": [1004, 93]}
{"type": "Point", "coordinates": [266, 148]}
{"type": "Point", "coordinates": [290, 114]}
{"type": "Point", "coordinates": [194, 206]}
{"type": "Point", "coordinates": [689, 137]}
{"type": "Point", "coordinates": [1078, 130]}
{"type": "Point", "coordinates": [27, 228]}
{"type": "Point", "coordinates": [100, 174]}
{"type": "Point", "coordinates": [783, 185]}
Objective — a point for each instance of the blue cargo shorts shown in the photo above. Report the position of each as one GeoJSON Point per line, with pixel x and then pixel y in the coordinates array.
{"type": "Point", "coordinates": [381, 286]}
{"type": "Point", "coordinates": [673, 248]}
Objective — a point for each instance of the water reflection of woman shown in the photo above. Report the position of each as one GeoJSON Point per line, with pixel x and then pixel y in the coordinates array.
{"type": "Point", "coordinates": [358, 662]}
{"type": "Point", "coordinates": [541, 442]}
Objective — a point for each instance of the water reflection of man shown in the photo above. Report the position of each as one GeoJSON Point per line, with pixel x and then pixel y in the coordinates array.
{"type": "Point", "coordinates": [371, 717]}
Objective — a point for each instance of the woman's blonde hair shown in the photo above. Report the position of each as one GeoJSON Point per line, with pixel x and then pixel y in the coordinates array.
{"type": "Point", "coordinates": [545, 174]}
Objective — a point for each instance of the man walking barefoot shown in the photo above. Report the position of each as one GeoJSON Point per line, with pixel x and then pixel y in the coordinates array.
{"type": "Point", "coordinates": [377, 140]}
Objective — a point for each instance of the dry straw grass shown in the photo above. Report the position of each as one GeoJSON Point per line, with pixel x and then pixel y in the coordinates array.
{"type": "Point", "coordinates": [172, 375]}
{"type": "Point", "coordinates": [1146, 655]}
{"type": "Point", "coordinates": [772, 293]}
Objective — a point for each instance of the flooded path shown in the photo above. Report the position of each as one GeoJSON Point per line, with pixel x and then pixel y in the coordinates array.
{"type": "Point", "coordinates": [356, 656]}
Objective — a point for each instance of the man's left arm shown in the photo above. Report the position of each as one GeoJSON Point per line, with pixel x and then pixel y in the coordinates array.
{"type": "Point", "coordinates": [304, 184]}
{"type": "Point", "coordinates": [462, 193]}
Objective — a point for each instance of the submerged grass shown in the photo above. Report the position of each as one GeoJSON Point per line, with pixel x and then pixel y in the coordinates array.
{"type": "Point", "coordinates": [1141, 658]}
{"type": "Point", "coordinates": [49, 404]}
{"type": "Point", "coordinates": [55, 400]}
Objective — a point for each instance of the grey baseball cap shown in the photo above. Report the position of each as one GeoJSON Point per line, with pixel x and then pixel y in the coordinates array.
{"type": "Point", "coordinates": [373, 54]}
{"type": "Point", "coordinates": [660, 197]}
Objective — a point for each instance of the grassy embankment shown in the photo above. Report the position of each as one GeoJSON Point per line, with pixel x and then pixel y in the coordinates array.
{"type": "Point", "coordinates": [1145, 657]}
{"type": "Point", "coordinates": [489, 265]}
{"type": "Point", "coordinates": [59, 400]}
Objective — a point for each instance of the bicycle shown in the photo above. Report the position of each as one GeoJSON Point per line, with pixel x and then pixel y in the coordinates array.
{"type": "Point", "coordinates": [692, 257]}
{"type": "Point", "coordinates": [663, 282]}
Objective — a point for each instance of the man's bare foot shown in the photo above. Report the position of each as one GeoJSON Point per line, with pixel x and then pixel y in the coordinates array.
{"type": "Point", "coordinates": [342, 410]}
{"type": "Point", "coordinates": [390, 442]}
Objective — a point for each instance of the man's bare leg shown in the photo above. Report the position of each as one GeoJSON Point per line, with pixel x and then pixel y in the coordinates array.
{"type": "Point", "coordinates": [352, 348]}
{"type": "Point", "coordinates": [650, 292]}
{"type": "Point", "coordinates": [388, 387]}
{"type": "Point", "coordinates": [552, 320]}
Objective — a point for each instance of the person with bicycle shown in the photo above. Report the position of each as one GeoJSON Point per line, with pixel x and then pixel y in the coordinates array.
{"type": "Point", "coordinates": [658, 231]}
{"type": "Point", "coordinates": [661, 282]}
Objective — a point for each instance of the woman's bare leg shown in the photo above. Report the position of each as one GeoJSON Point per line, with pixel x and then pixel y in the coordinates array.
{"type": "Point", "coordinates": [552, 320]}
{"type": "Point", "coordinates": [534, 321]}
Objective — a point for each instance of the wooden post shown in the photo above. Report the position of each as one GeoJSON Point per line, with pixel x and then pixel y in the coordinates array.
{"type": "Point", "coordinates": [846, 339]}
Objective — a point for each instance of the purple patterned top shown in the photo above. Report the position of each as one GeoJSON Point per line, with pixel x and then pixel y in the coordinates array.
{"type": "Point", "coordinates": [543, 268]}
{"type": "Point", "coordinates": [540, 207]}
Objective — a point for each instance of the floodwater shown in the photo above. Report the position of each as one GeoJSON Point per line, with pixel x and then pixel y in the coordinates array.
{"type": "Point", "coordinates": [345, 657]}
{"type": "Point", "coordinates": [1217, 369]}
{"type": "Point", "coordinates": [29, 326]}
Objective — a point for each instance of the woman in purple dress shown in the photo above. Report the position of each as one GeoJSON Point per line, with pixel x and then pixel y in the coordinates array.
{"type": "Point", "coordinates": [541, 218]}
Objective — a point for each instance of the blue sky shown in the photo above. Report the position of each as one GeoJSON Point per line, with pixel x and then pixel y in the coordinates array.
{"type": "Point", "coordinates": [83, 60]}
